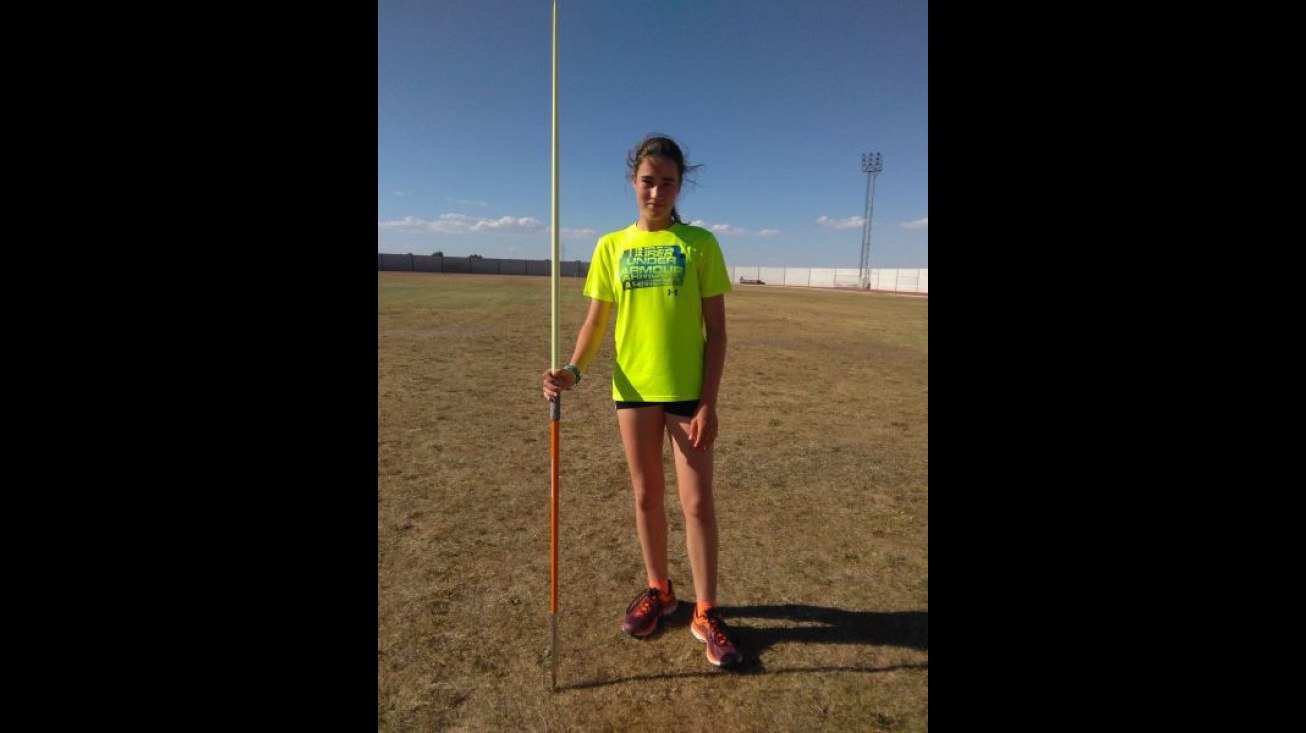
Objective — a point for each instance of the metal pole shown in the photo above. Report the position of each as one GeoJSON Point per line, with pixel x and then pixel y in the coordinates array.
{"type": "Point", "coordinates": [872, 163]}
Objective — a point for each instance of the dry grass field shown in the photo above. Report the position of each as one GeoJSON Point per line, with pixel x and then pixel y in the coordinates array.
{"type": "Point", "coordinates": [822, 492]}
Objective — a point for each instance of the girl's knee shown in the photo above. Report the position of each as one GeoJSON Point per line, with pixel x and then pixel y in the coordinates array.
{"type": "Point", "coordinates": [649, 497]}
{"type": "Point", "coordinates": [698, 506]}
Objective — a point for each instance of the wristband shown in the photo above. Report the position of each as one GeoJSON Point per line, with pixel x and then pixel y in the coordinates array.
{"type": "Point", "coordinates": [575, 372]}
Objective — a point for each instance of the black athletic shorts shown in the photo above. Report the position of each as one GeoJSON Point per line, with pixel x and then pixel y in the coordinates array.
{"type": "Point", "coordinates": [685, 408]}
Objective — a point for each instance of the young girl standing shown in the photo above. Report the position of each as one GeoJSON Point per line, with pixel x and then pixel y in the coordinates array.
{"type": "Point", "coordinates": [667, 280]}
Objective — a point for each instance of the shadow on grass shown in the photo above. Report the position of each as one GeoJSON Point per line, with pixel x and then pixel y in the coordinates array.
{"type": "Point", "coordinates": [803, 624]}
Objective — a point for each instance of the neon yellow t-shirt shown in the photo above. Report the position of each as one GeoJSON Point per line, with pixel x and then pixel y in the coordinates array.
{"type": "Point", "coordinates": [658, 281]}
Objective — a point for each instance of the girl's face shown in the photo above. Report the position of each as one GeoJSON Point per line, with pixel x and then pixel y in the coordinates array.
{"type": "Point", "coordinates": [657, 183]}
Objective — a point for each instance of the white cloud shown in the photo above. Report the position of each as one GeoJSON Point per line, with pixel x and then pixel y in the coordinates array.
{"type": "Point", "coordinates": [918, 224]}
{"type": "Point", "coordinates": [733, 230]}
{"type": "Point", "coordinates": [400, 193]}
{"type": "Point", "coordinates": [852, 222]}
{"type": "Point", "coordinates": [505, 224]}
{"type": "Point", "coordinates": [463, 224]}
{"type": "Point", "coordinates": [406, 224]}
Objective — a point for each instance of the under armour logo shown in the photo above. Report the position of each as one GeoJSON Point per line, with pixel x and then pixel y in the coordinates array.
{"type": "Point", "coordinates": [670, 291]}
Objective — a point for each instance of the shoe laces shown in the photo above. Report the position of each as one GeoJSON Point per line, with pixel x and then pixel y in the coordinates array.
{"type": "Point", "coordinates": [716, 626]}
{"type": "Point", "coordinates": [647, 602]}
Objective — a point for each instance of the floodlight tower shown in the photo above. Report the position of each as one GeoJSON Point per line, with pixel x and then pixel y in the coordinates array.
{"type": "Point", "coordinates": [872, 164]}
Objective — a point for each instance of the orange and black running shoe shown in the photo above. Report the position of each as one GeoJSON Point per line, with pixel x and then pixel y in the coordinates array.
{"type": "Point", "coordinates": [712, 630]}
{"type": "Point", "coordinates": [650, 605]}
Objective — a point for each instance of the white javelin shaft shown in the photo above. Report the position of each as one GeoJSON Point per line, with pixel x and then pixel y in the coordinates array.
{"type": "Point", "coordinates": [554, 227]}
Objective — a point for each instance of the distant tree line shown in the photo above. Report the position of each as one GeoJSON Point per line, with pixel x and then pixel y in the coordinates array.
{"type": "Point", "coordinates": [440, 253]}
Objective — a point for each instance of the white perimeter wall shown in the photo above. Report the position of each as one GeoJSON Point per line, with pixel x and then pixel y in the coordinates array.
{"type": "Point", "coordinates": [900, 281]}
{"type": "Point", "coordinates": [915, 280]}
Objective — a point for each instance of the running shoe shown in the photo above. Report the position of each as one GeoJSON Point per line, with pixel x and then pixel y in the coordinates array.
{"type": "Point", "coordinates": [650, 605]}
{"type": "Point", "coordinates": [711, 629]}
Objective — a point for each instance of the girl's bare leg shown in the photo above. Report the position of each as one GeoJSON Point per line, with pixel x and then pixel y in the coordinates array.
{"type": "Point", "coordinates": [641, 435]}
{"type": "Point", "coordinates": [694, 480]}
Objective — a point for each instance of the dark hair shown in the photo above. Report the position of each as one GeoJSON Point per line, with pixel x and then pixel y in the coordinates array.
{"type": "Point", "coordinates": [656, 145]}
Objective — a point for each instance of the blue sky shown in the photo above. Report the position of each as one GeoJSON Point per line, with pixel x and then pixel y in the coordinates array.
{"type": "Point", "coordinates": [778, 99]}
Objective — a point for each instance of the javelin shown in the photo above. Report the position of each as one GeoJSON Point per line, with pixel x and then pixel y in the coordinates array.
{"type": "Point", "coordinates": [555, 407]}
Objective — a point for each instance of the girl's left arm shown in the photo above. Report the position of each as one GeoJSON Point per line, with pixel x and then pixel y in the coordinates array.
{"type": "Point", "coordinates": [703, 426]}
{"type": "Point", "coordinates": [714, 360]}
